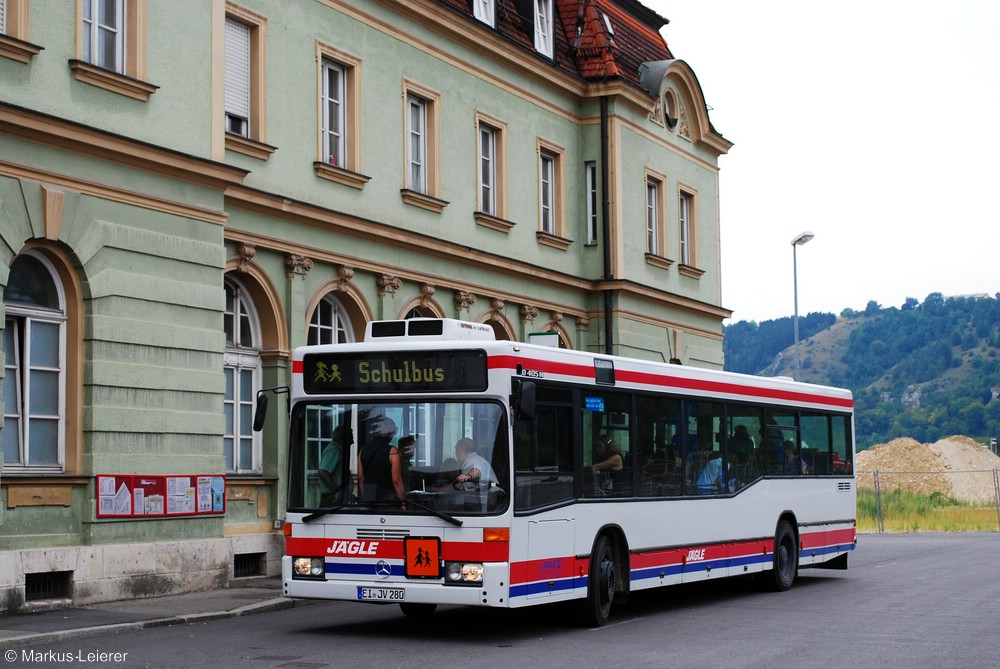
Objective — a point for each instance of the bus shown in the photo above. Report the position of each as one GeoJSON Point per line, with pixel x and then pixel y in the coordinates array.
{"type": "Point", "coordinates": [712, 474]}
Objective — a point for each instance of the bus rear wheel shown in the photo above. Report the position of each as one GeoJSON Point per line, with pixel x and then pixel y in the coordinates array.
{"type": "Point", "coordinates": [786, 558]}
{"type": "Point", "coordinates": [595, 609]}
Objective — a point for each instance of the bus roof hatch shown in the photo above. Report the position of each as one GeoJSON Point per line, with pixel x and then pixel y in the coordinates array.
{"type": "Point", "coordinates": [428, 328]}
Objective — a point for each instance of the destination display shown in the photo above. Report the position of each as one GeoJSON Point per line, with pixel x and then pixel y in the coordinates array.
{"type": "Point", "coordinates": [394, 371]}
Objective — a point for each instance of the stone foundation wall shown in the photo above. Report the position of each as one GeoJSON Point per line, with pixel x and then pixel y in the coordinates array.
{"type": "Point", "coordinates": [131, 571]}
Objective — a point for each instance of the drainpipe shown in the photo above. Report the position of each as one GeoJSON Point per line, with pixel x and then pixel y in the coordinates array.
{"type": "Point", "coordinates": [606, 215]}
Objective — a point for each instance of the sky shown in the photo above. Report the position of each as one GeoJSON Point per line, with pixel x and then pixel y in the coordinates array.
{"type": "Point", "coordinates": [872, 124]}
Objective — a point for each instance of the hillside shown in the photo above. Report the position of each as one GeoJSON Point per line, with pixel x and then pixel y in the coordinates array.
{"type": "Point", "coordinates": [924, 370]}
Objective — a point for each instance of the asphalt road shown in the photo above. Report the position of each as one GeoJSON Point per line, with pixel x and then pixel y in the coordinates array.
{"type": "Point", "coordinates": [910, 601]}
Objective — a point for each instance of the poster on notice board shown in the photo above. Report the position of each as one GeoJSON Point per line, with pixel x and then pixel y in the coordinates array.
{"type": "Point", "coordinates": [143, 496]}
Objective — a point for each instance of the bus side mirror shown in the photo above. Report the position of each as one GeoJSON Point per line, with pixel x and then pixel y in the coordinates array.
{"type": "Point", "coordinates": [523, 400]}
{"type": "Point", "coordinates": [260, 413]}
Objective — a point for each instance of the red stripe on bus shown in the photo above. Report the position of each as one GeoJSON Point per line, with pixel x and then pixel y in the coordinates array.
{"type": "Point", "coordinates": [297, 367]}
{"type": "Point", "coordinates": [817, 539]}
{"type": "Point", "coordinates": [547, 569]}
{"type": "Point", "coordinates": [392, 550]}
{"type": "Point", "coordinates": [667, 381]}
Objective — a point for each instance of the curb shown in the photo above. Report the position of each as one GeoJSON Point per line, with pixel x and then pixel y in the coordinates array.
{"type": "Point", "coordinates": [275, 604]}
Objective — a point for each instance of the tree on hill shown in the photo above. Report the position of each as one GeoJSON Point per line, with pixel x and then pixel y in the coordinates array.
{"type": "Point", "coordinates": [925, 370]}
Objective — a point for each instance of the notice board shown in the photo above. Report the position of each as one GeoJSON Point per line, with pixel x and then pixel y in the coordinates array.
{"type": "Point", "coordinates": [158, 495]}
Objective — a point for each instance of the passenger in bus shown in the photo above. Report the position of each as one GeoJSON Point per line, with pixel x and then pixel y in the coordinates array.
{"type": "Point", "coordinates": [380, 474]}
{"type": "Point", "coordinates": [793, 463]}
{"type": "Point", "coordinates": [331, 474]}
{"type": "Point", "coordinates": [607, 455]}
{"type": "Point", "coordinates": [475, 468]}
{"type": "Point", "coordinates": [607, 459]}
{"type": "Point", "coordinates": [711, 479]}
{"type": "Point", "coordinates": [741, 443]}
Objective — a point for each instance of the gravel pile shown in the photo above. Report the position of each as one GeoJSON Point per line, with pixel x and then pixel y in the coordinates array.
{"type": "Point", "coordinates": [957, 467]}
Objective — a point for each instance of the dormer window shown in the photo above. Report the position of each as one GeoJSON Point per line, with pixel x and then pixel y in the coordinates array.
{"type": "Point", "coordinates": [485, 11]}
{"type": "Point", "coordinates": [543, 27]}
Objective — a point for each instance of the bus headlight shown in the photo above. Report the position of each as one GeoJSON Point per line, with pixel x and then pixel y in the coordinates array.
{"type": "Point", "coordinates": [309, 567]}
{"type": "Point", "coordinates": [463, 573]}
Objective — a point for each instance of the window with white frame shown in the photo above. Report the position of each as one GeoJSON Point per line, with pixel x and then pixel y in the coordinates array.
{"type": "Point", "coordinates": [104, 34]}
{"type": "Point", "coordinates": [330, 323]}
{"type": "Point", "coordinates": [488, 169]}
{"type": "Point", "coordinates": [684, 213]}
{"type": "Point", "coordinates": [34, 392]}
{"type": "Point", "coordinates": [237, 98]}
{"type": "Point", "coordinates": [590, 170]}
{"type": "Point", "coordinates": [485, 11]}
{"type": "Point", "coordinates": [334, 93]}
{"type": "Point", "coordinates": [653, 215]}
{"type": "Point", "coordinates": [242, 367]}
{"type": "Point", "coordinates": [416, 146]}
{"type": "Point", "coordinates": [551, 180]}
{"type": "Point", "coordinates": [543, 27]}
{"type": "Point", "coordinates": [547, 193]}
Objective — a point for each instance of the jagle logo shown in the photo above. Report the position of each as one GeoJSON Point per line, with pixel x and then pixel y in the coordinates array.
{"type": "Point", "coordinates": [696, 554]}
{"type": "Point", "coordinates": [353, 547]}
{"type": "Point", "coordinates": [410, 372]}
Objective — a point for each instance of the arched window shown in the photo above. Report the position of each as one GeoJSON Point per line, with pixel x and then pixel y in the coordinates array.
{"type": "Point", "coordinates": [34, 385]}
{"type": "Point", "coordinates": [330, 323]}
{"type": "Point", "coordinates": [242, 369]}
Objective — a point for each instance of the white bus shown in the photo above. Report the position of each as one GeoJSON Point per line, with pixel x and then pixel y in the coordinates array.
{"type": "Point", "coordinates": [603, 475]}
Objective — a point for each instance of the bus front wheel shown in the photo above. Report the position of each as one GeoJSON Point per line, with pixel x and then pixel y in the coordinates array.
{"type": "Point", "coordinates": [786, 558]}
{"type": "Point", "coordinates": [595, 609]}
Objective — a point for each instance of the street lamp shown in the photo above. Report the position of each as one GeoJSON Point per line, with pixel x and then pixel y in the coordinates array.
{"type": "Point", "coordinates": [800, 239]}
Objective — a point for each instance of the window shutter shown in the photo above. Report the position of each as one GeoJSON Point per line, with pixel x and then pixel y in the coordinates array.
{"type": "Point", "coordinates": [237, 69]}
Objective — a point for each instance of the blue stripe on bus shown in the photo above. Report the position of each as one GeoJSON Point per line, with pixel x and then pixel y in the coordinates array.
{"type": "Point", "coordinates": [544, 587]}
{"type": "Point", "coordinates": [361, 569]}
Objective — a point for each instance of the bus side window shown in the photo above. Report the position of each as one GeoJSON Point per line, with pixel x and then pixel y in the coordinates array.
{"type": "Point", "coordinates": [543, 451]}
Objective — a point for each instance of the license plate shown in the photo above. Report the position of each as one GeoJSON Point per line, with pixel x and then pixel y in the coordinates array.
{"type": "Point", "coordinates": [381, 594]}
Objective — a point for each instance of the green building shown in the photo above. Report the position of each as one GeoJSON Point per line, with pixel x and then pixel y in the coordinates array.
{"type": "Point", "coordinates": [189, 189]}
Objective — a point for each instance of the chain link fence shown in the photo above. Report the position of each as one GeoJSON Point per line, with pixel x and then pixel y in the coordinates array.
{"type": "Point", "coordinates": [929, 501]}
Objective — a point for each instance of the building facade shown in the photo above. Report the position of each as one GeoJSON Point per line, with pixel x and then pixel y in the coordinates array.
{"type": "Point", "coordinates": [190, 189]}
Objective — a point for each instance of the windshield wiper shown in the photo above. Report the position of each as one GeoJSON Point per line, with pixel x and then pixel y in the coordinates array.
{"type": "Point", "coordinates": [440, 514]}
{"type": "Point", "coordinates": [322, 512]}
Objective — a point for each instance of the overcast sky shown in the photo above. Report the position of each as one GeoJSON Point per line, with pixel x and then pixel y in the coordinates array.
{"type": "Point", "coordinates": [871, 123]}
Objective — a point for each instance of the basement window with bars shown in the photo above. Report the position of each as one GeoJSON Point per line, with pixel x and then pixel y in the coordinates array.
{"type": "Point", "coordinates": [47, 585]}
{"type": "Point", "coordinates": [249, 564]}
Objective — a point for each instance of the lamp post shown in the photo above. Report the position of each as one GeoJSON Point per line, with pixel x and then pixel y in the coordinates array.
{"type": "Point", "coordinates": [800, 239]}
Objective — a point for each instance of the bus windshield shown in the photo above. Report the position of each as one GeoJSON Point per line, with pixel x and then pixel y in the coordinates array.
{"type": "Point", "coordinates": [454, 456]}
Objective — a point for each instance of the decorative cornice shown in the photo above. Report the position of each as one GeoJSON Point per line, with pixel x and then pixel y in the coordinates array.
{"type": "Point", "coordinates": [344, 275]}
{"type": "Point", "coordinates": [297, 265]}
{"type": "Point", "coordinates": [426, 294]}
{"type": "Point", "coordinates": [102, 145]}
{"type": "Point", "coordinates": [246, 252]}
{"type": "Point", "coordinates": [388, 284]}
{"type": "Point", "coordinates": [464, 299]}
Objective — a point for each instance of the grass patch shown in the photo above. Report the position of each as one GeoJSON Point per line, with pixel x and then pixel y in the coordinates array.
{"type": "Point", "coordinates": [910, 512]}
